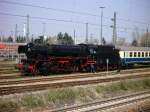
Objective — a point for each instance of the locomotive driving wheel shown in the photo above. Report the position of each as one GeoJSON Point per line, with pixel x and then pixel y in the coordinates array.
{"type": "Point", "coordinates": [44, 69]}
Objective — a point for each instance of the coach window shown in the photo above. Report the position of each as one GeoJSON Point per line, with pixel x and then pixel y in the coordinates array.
{"type": "Point", "coordinates": [124, 54]}
{"type": "Point", "coordinates": [130, 54]}
{"type": "Point", "coordinates": [149, 54]}
{"type": "Point", "coordinates": [138, 54]}
{"type": "Point", "coordinates": [135, 54]}
{"type": "Point", "coordinates": [146, 54]}
{"type": "Point", "coordinates": [142, 54]}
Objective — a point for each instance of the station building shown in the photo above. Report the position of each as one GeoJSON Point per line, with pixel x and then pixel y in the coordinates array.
{"type": "Point", "coordinates": [10, 50]}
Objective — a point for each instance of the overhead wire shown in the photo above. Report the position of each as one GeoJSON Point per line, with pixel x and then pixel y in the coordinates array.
{"type": "Point", "coordinates": [62, 20]}
{"type": "Point", "coordinates": [70, 11]}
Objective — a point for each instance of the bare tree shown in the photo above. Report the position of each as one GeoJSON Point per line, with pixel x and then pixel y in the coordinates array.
{"type": "Point", "coordinates": [145, 40]}
{"type": "Point", "coordinates": [136, 37]}
{"type": "Point", "coordinates": [52, 40]}
{"type": "Point", "coordinates": [121, 41]}
{"type": "Point", "coordinates": [134, 42]}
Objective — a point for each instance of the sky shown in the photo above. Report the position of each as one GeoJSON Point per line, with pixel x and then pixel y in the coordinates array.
{"type": "Point", "coordinates": [131, 15]}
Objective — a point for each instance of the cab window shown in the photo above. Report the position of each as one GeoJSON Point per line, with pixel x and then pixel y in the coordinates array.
{"type": "Point", "coordinates": [146, 54]}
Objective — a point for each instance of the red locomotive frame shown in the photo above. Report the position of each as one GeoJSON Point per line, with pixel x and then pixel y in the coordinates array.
{"type": "Point", "coordinates": [58, 65]}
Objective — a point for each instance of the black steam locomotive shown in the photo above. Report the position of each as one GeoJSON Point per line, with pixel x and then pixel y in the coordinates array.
{"type": "Point", "coordinates": [45, 59]}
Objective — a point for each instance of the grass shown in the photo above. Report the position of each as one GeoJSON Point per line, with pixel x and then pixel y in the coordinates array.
{"type": "Point", "coordinates": [85, 94]}
{"type": "Point", "coordinates": [69, 96]}
{"type": "Point", "coordinates": [32, 101]}
{"type": "Point", "coordinates": [124, 86]}
{"type": "Point", "coordinates": [59, 96]}
{"type": "Point", "coordinates": [8, 106]}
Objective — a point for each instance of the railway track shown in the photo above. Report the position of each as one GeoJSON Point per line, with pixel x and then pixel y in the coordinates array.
{"type": "Point", "coordinates": [20, 79]}
{"type": "Point", "coordinates": [7, 65]}
{"type": "Point", "coordinates": [8, 71]}
{"type": "Point", "coordinates": [45, 83]}
{"type": "Point", "coordinates": [102, 105]}
{"type": "Point", "coordinates": [17, 78]}
{"type": "Point", "coordinates": [17, 75]}
{"type": "Point", "coordinates": [145, 110]}
{"type": "Point", "coordinates": [10, 76]}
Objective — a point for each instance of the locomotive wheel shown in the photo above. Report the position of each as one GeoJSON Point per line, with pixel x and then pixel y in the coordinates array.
{"type": "Point", "coordinates": [88, 69]}
{"type": "Point", "coordinates": [44, 69]}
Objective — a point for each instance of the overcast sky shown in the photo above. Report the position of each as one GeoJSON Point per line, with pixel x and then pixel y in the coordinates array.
{"type": "Point", "coordinates": [136, 12]}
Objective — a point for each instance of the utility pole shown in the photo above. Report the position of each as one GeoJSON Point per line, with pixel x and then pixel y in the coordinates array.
{"type": "Point", "coordinates": [11, 33]}
{"type": "Point", "coordinates": [44, 29]}
{"type": "Point", "coordinates": [74, 35]}
{"type": "Point", "coordinates": [24, 30]}
{"type": "Point", "coordinates": [114, 29]}
{"type": "Point", "coordinates": [91, 39]}
{"type": "Point", "coordinates": [147, 39]}
{"type": "Point", "coordinates": [86, 40]}
{"type": "Point", "coordinates": [1, 37]}
{"type": "Point", "coordinates": [16, 31]}
{"type": "Point", "coordinates": [27, 34]}
{"type": "Point", "coordinates": [32, 38]}
{"type": "Point", "coordinates": [101, 33]}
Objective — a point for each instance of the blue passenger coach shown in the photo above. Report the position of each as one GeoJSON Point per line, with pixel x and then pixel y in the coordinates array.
{"type": "Point", "coordinates": [134, 55]}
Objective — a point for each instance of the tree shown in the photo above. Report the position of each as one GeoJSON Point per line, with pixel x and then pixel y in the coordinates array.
{"type": "Point", "coordinates": [136, 34]}
{"type": "Point", "coordinates": [67, 39]}
{"type": "Point", "coordinates": [121, 41]}
{"type": "Point", "coordinates": [52, 40]}
{"type": "Point", "coordinates": [39, 40]}
{"type": "Point", "coordinates": [134, 42]}
{"type": "Point", "coordinates": [60, 38]}
{"type": "Point", "coordinates": [64, 39]}
{"type": "Point", "coordinates": [10, 39]}
{"type": "Point", "coordinates": [32, 39]}
{"type": "Point", "coordinates": [103, 41]}
{"type": "Point", "coordinates": [20, 39]}
{"type": "Point", "coordinates": [145, 40]}
{"type": "Point", "coordinates": [93, 40]}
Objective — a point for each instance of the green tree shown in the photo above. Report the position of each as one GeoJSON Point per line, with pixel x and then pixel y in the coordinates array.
{"type": "Point", "coordinates": [103, 41]}
{"type": "Point", "coordinates": [60, 38]}
{"type": "Point", "coordinates": [32, 39]}
{"type": "Point", "coordinates": [20, 39]}
{"type": "Point", "coordinates": [64, 39]}
{"type": "Point", "coordinates": [67, 39]}
{"type": "Point", "coordinates": [10, 39]}
{"type": "Point", "coordinates": [39, 40]}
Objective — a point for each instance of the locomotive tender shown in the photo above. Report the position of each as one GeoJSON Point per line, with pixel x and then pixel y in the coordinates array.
{"type": "Point", "coordinates": [45, 59]}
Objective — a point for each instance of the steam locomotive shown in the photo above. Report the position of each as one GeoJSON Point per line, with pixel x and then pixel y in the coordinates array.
{"type": "Point", "coordinates": [45, 59]}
